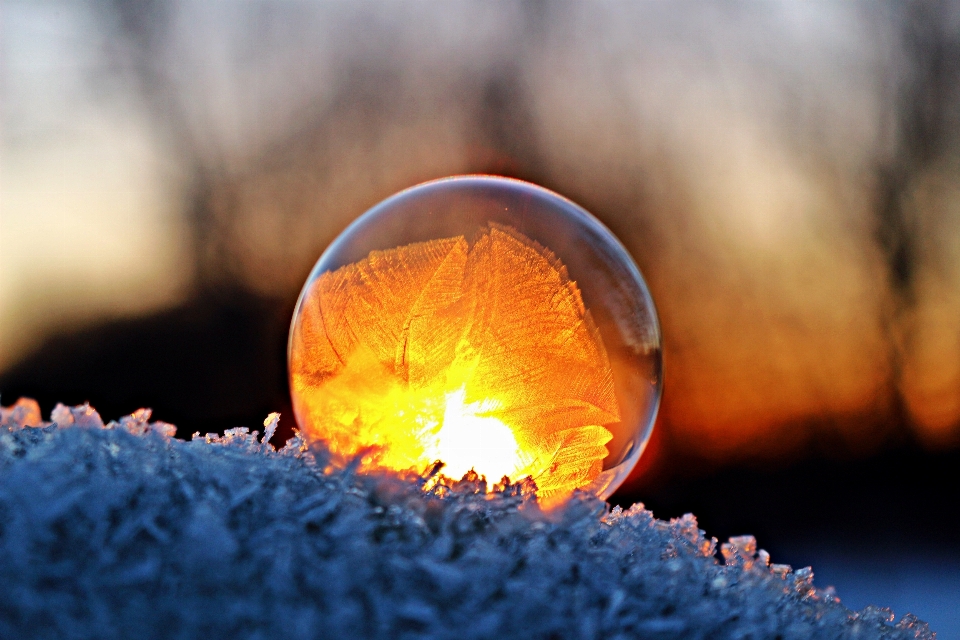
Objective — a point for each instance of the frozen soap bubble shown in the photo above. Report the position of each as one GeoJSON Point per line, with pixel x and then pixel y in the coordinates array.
{"type": "Point", "coordinates": [484, 322]}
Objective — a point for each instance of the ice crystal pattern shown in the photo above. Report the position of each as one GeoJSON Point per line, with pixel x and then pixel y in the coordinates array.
{"type": "Point", "coordinates": [482, 356]}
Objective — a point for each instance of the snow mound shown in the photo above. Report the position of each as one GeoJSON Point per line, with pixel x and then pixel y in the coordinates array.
{"type": "Point", "coordinates": [122, 531]}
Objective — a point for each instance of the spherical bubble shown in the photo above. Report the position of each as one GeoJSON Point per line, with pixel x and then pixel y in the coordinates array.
{"type": "Point", "coordinates": [484, 322]}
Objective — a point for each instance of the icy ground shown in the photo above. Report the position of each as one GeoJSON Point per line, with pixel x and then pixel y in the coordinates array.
{"type": "Point", "coordinates": [122, 531]}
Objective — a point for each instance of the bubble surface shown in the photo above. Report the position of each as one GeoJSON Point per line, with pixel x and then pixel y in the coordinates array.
{"type": "Point", "coordinates": [485, 322]}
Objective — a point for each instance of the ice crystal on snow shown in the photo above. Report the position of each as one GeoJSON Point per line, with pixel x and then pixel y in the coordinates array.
{"type": "Point", "coordinates": [122, 531]}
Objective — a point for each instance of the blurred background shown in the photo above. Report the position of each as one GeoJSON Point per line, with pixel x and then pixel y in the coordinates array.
{"type": "Point", "coordinates": [786, 175]}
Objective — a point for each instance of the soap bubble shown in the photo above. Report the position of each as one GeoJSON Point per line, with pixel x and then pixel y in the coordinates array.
{"type": "Point", "coordinates": [485, 322]}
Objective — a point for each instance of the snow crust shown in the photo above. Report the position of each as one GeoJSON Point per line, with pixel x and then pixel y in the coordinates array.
{"type": "Point", "coordinates": [123, 531]}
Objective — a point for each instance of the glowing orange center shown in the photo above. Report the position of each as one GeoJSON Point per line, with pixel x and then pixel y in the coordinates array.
{"type": "Point", "coordinates": [483, 357]}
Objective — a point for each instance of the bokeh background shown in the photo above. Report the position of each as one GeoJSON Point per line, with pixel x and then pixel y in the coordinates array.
{"type": "Point", "coordinates": [787, 176]}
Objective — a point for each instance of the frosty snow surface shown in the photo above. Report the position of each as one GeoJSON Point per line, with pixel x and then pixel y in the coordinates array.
{"type": "Point", "coordinates": [121, 531]}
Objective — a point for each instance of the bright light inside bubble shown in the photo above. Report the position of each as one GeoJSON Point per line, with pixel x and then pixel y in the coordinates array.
{"type": "Point", "coordinates": [471, 438]}
{"type": "Point", "coordinates": [486, 323]}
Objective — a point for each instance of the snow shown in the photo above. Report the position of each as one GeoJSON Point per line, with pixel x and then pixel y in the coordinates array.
{"type": "Point", "coordinates": [123, 531]}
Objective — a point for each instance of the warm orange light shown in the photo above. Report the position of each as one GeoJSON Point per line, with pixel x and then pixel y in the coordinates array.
{"type": "Point", "coordinates": [481, 355]}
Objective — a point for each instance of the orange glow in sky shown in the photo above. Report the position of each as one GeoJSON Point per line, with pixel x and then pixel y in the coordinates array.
{"type": "Point", "coordinates": [482, 356]}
